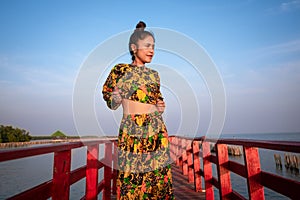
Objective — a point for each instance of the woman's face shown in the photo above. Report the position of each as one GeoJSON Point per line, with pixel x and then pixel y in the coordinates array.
{"type": "Point", "coordinates": [144, 50]}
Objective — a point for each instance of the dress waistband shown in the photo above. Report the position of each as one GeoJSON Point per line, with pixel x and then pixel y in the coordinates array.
{"type": "Point", "coordinates": [133, 115]}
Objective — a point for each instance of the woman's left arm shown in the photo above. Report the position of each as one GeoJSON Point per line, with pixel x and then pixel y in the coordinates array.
{"type": "Point", "coordinates": [160, 100]}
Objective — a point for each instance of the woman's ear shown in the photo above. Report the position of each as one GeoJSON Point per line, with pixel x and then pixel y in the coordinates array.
{"type": "Point", "coordinates": [133, 48]}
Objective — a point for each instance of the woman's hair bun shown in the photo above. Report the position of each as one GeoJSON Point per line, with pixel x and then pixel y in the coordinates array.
{"type": "Point", "coordinates": [140, 26]}
{"type": "Point", "coordinates": [139, 34]}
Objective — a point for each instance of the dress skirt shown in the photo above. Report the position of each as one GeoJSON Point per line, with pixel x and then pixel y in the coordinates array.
{"type": "Point", "coordinates": [143, 158]}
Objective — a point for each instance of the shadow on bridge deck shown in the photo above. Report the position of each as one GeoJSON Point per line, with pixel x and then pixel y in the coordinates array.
{"type": "Point", "coordinates": [182, 188]}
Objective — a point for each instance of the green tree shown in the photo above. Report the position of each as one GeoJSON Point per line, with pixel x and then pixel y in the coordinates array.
{"type": "Point", "coordinates": [11, 134]}
{"type": "Point", "coordinates": [58, 134]}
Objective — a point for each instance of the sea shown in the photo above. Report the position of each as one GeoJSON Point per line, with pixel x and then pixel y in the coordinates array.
{"type": "Point", "coordinates": [21, 174]}
{"type": "Point", "coordinates": [268, 164]}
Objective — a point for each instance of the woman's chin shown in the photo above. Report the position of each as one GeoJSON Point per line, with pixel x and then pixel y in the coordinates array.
{"type": "Point", "coordinates": [148, 61]}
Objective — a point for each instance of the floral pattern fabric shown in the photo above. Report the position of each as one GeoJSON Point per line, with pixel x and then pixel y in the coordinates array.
{"type": "Point", "coordinates": [140, 84]}
{"type": "Point", "coordinates": [144, 170]}
{"type": "Point", "coordinates": [143, 157]}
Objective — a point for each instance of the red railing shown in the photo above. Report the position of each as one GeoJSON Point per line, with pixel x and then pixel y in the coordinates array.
{"type": "Point", "coordinates": [59, 187]}
{"type": "Point", "coordinates": [188, 154]}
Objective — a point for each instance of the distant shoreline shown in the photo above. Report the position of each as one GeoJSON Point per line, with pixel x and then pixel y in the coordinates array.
{"type": "Point", "coordinates": [47, 141]}
{"type": "Point", "coordinates": [34, 142]}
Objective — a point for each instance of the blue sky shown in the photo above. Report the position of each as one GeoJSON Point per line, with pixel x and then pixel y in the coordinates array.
{"type": "Point", "coordinates": [254, 44]}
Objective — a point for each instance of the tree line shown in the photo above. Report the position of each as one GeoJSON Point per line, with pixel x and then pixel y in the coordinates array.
{"type": "Point", "coordinates": [11, 134]}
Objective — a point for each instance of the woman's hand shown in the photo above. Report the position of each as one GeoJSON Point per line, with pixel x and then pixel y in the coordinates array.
{"type": "Point", "coordinates": [116, 96]}
{"type": "Point", "coordinates": [160, 105]}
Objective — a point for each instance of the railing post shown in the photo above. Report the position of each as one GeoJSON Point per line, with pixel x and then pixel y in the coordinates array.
{"type": "Point", "coordinates": [184, 157]}
{"type": "Point", "coordinates": [197, 166]}
{"type": "Point", "coordinates": [190, 161]}
{"type": "Point", "coordinates": [252, 163]}
{"type": "Point", "coordinates": [171, 147]}
{"type": "Point", "coordinates": [174, 149]}
{"type": "Point", "coordinates": [180, 150]}
{"type": "Point", "coordinates": [61, 175]}
{"type": "Point", "coordinates": [177, 151]}
{"type": "Point", "coordinates": [207, 170]}
{"type": "Point", "coordinates": [107, 171]}
{"type": "Point", "coordinates": [223, 173]}
{"type": "Point", "coordinates": [115, 167]}
{"type": "Point", "coordinates": [92, 172]}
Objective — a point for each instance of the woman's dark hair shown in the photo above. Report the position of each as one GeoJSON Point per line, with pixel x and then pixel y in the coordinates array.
{"type": "Point", "coordinates": [138, 34]}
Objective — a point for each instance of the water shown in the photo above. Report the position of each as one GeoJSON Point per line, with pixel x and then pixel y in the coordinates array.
{"type": "Point", "coordinates": [239, 184]}
{"type": "Point", "coordinates": [21, 174]}
{"type": "Point", "coordinates": [266, 136]}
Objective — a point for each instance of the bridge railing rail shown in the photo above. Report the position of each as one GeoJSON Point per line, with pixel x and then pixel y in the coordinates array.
{"type": "Point", "coordinates": [195, 157]}
{"type": "Point", "coordinates": [190, 154]}
{"type": "Point", "coordinates": [58, 188]}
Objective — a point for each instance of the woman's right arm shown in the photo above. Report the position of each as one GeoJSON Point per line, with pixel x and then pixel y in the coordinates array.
{"type": "Point", "coordinates": [110, 91]}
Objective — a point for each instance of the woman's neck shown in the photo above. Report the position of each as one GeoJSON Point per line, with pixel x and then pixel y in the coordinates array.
{"type": "Point", "coordinates": [139, 64]}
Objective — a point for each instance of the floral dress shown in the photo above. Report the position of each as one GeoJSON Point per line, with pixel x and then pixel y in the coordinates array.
{"type": "Point", "coordinates": [144, 170]}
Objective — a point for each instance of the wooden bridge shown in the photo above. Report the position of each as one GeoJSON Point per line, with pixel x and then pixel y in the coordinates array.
{"type": "Point", "coordinates": [192, 169]}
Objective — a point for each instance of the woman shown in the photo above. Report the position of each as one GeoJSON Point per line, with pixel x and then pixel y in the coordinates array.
{"type": "Point", "coordinates": [143, 151]}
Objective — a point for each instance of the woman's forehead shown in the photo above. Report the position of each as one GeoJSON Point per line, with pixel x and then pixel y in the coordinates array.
{"type": "Point", "coordinates": [148, 39]}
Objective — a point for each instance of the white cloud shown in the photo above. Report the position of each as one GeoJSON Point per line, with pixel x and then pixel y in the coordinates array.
{"type": "Point", "coordinates": [282, 48]}
{"type": "Point", "coordinates": [36, 78]}
{"type": "Point", "coordinates": [288, 6]}
{"type": "Point", "coordinates": [284, 76]}
{"type": "Point", "coordinates": [35, 96]}
{"type": "Point", "coordinates": [264, 99]}
{"type": "Point", "coordinates": [284, 7]}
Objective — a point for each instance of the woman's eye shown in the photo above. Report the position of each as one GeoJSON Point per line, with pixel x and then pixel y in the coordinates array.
{"type": "Point", "coordinates": [149, 46]}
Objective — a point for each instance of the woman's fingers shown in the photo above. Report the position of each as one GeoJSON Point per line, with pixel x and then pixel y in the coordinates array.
{"type": "Point", "coordinates": [116, 95]}
{"type": "Point", "coordinates": [160, 106]}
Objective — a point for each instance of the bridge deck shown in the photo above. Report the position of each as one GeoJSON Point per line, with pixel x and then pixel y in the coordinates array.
{"type": "Point", "coordinates": [182, 189]}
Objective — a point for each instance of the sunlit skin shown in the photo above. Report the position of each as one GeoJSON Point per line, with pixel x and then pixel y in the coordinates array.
{"type": "Point", "coordinates": [143, 52]}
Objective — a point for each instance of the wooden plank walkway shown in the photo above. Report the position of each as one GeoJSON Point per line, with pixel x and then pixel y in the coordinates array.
{"type": "Point", "coordinates": [182, 189]}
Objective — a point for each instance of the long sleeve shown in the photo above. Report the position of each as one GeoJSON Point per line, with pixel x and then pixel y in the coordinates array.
{"type": "Point", "coordinates": [109, 87]}
{"type": "Point", "coordinates": [159, 95]}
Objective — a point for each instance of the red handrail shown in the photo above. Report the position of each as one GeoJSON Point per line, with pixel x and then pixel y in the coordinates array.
{"type": "Point", "coordinates": [59, 187]}
{"type": "Point", "coordinates": [186, 152]}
